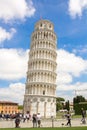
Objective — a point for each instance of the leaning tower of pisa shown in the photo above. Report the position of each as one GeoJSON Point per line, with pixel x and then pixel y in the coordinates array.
{"type": "Point", "coordinates": [40, 91]}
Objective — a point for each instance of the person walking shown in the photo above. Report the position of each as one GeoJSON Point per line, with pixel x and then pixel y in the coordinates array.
{"type": "Point", "coordinates": [83, 113]}
{"type": "Point", "coordinates": [68, 115]}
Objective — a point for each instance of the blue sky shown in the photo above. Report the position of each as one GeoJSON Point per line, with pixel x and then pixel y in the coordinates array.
{"type": "Point", "coordinates": [16, 26]}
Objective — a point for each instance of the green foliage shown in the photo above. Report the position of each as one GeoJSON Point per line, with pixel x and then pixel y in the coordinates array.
{"type": "Point", "coordinates": [59, 99]}
{"type": "Point", "coordinates": [59, 106]}
{"type": "Point", "coordinates": [67, 106]}
{"type": "Point", "coordinates": [59, 103]}
{"type": "Point", "coordinates": [78, 106]}
{"type": "Point", "coordinates": [78, 103]}
{"type": "Point", "coordinates": [78, 99]}
{"type": "Point", "coordinates": [20, 107]}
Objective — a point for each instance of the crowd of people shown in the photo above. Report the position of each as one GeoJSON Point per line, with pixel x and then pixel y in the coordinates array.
{"type": "Point", "coordinates": [36, 118]}
{"type": "Point", "coordinates": [18, 117]}
{"type": "Point", "coordinates": [8, 116]}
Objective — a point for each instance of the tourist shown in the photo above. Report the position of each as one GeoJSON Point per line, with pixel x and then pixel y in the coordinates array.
{"type": "Point", "coordinates": [28, 115]}
{"type": "Point", "coordinates": [34, 120]}
{"type": "Point", "coordinates": [17, 121]}
{"type": "Point", "coordinates": [83, 112]}
{"type": "Point", "coordinates": [39, 119]}
{"type": "Point", "coordinates": [24, 117]}
{"type": "Point", "coordinates": [68, 115]}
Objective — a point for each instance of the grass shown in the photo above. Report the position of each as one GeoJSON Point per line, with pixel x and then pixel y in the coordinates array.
{"type": "Point", "coordinates": [57, 128]}
{"type": "Point", "coordinates": [61, 115]}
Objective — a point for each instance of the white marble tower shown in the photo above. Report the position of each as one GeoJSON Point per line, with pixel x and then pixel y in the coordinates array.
{"type": "Point", "coordinates": [40, 91]}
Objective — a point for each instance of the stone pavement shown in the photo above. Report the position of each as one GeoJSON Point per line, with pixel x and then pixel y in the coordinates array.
{"type": "Point", "coordinates": [44, 123]}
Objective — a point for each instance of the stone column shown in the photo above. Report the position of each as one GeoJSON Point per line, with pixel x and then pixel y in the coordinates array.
{"type": "Point", "coordinates": [37, 107]}
{"type": "Point", "coordinates": [45, 103]}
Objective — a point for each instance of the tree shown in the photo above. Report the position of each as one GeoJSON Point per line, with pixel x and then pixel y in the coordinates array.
{"type": "Point", "coordinates": [20, 107]}
{"type": "Point", "coordinates": [78, 103]}
{"type": "Point", "coordinates": [78, 99]}
{"type": "Point", "coordinates": [60, 99]}
{"type": "Point", "coordinates": [67, 106]}
{"type": "Point", "coordinates": [59, 103]}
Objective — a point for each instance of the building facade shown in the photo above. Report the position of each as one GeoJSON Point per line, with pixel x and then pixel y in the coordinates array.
{"type": "Point", "coordinates": [7, 107]}
{"type": "Point", "coordinates": [40, 91]}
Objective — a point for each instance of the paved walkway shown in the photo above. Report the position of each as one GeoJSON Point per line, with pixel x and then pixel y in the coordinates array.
{"type": "Point", "coordinates": [45, 123]}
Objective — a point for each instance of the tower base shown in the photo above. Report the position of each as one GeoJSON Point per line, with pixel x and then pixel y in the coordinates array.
{"type": "Point", "coordinates": [45, 105]}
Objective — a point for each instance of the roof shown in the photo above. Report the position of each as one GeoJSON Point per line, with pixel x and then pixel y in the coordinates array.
{"type": "Point", "coordinates": [8, 102]}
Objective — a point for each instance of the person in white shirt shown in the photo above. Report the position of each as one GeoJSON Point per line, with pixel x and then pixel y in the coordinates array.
{"type": "Point", "coordinates": [39, 119]}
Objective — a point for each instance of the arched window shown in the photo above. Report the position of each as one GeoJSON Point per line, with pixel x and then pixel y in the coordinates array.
{"type": "Point", "coordinates": [41, 25]}
{"type": "Point", "coordinates": [43, 92]}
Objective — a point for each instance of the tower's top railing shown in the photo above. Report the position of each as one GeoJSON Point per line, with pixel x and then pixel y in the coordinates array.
{"type": "Point", "coordinates": [44, 25]}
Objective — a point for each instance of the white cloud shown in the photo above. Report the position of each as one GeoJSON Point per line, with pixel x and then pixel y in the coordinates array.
{"type": "Point", "coordinates": [71, 64]}
{"type": "Point", "coordinates": [14, 92]}
{"type": "Point", "coordinates": [68, 91]}
{"type": "Point", "coordinates": [66, 95]}
{"type": "Point", "coordinates": [13, 64]}
{"type": "Point", "coordinates": [76, 7]}
{"type": "Point", "coordinates": [81, 89]}
{"type": "Point", "coordinates": [16, 9]}
{"type": "Point", "coordinates": [63, 78]}
{"type": "Point", "coordinates": [69, 67]}
{"type": "Point", "coordinates": [4, 35]}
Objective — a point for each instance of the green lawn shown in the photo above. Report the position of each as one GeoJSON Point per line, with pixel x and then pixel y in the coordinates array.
{"type": "Point", "coordinates": [60, 115]}
{"type": "Point", "coordinates": [58, 128]}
